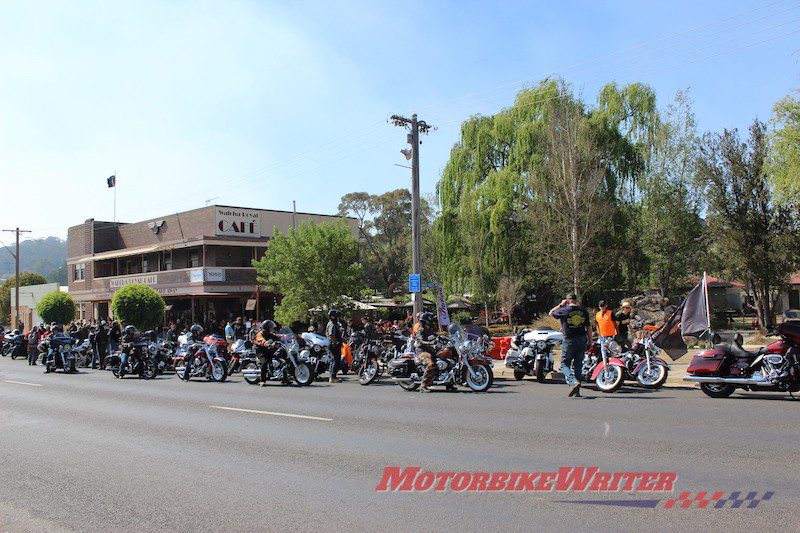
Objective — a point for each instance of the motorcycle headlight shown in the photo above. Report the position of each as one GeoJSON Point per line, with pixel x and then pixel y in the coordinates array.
{"type": "Point", "coordinates": [541, 345]}
{"type": "Point", "coordinates": [317, 348]}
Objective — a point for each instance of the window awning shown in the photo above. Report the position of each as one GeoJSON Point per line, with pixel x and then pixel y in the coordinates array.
{"type": "Point", "coordinates": [113, 254]}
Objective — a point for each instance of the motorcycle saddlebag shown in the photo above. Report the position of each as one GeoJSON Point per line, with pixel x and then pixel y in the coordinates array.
{"type": "Point", "coordinates": [707, 362]}
{"type": "Point", "coordinates": [400, 367]}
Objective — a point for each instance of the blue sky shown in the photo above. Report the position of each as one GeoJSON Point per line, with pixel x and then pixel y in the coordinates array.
{"type": "Point", "coordinates": [261, 103]}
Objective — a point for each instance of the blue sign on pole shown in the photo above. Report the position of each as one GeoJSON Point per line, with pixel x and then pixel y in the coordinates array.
{"type": "Point", "coordinates": [414, 283]}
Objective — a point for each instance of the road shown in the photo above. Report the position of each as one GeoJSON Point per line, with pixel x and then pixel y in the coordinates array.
{"type": "Point", "coordinates": [88, 452]}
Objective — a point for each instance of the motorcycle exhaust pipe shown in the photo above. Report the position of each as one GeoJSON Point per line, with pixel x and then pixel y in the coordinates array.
{"type": "Point", "coordinates": [252, 373]}
{"type": "Point", "coordinates": [760, 381]}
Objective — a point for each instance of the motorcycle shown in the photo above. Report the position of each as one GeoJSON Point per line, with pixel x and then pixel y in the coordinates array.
{"type": "Point", "coordinates": [58, 353]}
{"type": "Point", "coordinates": [315, 352]}
{"type": "Point", "coordinates": [287, 366]}
{"type": "Point", "coordinates": [531, 353]}
{"type": "Point", "coordinates": [643, 364]}
{"type": "Point", "coordinates": [602, 364]}
{"type": "Point", "coordinates": [728, 366]}
{"type": "Point", "coordinates": [139, 360]}
{"type": "Point", "coordinates": [163, 353]}
{"type": "Point", "coordinates": [462, 360]}
{"type": "Point", "coordinates": [208, 363]}
{"type": "Point", "coordinates": [15, 345]}
{"type": "Point", "coordinates": [370, 358]}
{"type": "Point", "coordinates": [84, 353]}
{"type": "Point", "coordinates": [237, 352]}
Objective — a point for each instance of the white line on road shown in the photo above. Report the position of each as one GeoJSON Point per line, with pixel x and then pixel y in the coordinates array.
{"type": "Point", "coordinates": [22, 383]}
{"type": "Point", "coordinates": [304, 417]}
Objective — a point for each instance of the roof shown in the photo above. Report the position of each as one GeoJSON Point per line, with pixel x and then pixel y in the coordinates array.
{"type": "Point", "coordinates": [794, 279]}
{"type": "Point", "coordinates": [714, 283]}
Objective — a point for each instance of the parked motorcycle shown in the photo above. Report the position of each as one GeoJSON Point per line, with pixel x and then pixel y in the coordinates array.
{"type": "Point", "coordinates": [728, 366]}
{"type": "Point", "coordinates": [84, 353]}
{"type": "Point", "coordinates": [237, 352]}
{"type": "Point", "coordinates": [531, 353]}
{"type": "Point", "coordinates": [370, 358]}
{"type": "Point", "coordinates": [208, 363]}
{"type": "Point", "coordinates": [643, 364]}
{"type": "Point", "coordinates": [15, 344]}
{"type": "Point", "coordinates": [602, 364]}
{"type": "Point", "coordinates": [287, 366]}
{"type": "Point", "coordinates": [163, 353]}
{"type": "Point", "coordinates": [315, 352]}
{"type": "Point", "coordinates": [139, 360]}
{"type": "Point", "coordinates": [461, 361]}
{"type": "Point", "coordinates": [58, 353]}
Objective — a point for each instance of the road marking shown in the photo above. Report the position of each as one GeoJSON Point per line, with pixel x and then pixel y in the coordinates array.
{"type": "Point", "coordinates": [289, 415]}
{"type": "Point", "coordinates": [22, 383]}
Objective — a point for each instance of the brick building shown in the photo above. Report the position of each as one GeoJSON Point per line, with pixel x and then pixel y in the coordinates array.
{"type": "Point", "coordinates": [199, 260]}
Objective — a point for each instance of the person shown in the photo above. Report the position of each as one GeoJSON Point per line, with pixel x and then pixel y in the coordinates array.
{"type": "Point", "coordinates": [424, 329]}
{"type": "Point", "coordinates": [33, 343]}
{"type": "Point", "coordinates": [335, 333]}
{"type": "Point", "coordinates": [624, 318]}
{"type": "Point", "coordinates": [369, 330]}
{"type": "Point", "coordinates": [114, 335]}
{"type": "Point", "coordinates": [606, 322]}
{"type": "Point", "coordinates": [128, 336]}
{"type": "Point", "coordinates": [101, 341]}
{"type": "Point", "coordinates": [230, 336]}
{"type": "Point", "coordinates": [267, 344]}
{"type": "Point", "coordinates": [577, 330]}
{"type": "Point", "coordinates": [240, 328]}
{"type": "Point", "coordinates": [195, 335]}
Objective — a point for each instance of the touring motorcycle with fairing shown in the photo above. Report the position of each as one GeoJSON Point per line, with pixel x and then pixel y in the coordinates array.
{"type": "Point", "coordinates": [287, 366]}
{"type": "Point", "coordinates": [531, 353]}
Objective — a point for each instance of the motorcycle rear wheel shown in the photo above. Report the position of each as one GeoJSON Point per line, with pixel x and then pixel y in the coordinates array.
{"type": "Point", "coordinates": [717, 390]}
{"type": "Point", "coordinates": [483, 378]}
{"type": "Point", "coordinates": [368, 372]}
{"type": "Point", "coordinates": [408, 385]}
{"type": "Point", "coordinates": [609, 379]}
{"type": "Point", "coordinates": [519, 375]}
{"type": "Point", "coordinates": [150, 370]}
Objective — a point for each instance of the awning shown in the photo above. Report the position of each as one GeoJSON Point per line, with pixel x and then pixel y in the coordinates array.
{"type": "Point", "coordinates": [113, 254]}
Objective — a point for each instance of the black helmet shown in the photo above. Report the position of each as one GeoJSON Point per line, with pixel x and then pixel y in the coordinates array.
{"type": "Point", "coordinates": [56, 328]}
{"type": "Point", "coordinates": [130, 330]}
{"type": "Point", "coordinates": [196, 330]}
{"type": "Point", "coordinates": [427, 319]}
{"type": "Point", "coordinates": [334, 313]}
{"type": "Point", "coordinates": [15, 332]}
{"type": "Point", "coordinates": [268, 325]}
{"type": "Point", "coordinates": [151, 334]}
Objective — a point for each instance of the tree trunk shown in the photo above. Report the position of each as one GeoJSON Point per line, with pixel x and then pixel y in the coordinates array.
{"type": "Point", "coordinates": [486, 313]}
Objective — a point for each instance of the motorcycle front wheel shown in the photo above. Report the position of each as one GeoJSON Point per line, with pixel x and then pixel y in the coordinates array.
{"type": "Point", "coordinates": [609, 379]}
{"type": "Point", "coordinates": [482, 380]}
{"type": "Point", "coordinates": [717, 390]}
{"type": "Point", "coordinates": [408, 385]}
{"type": "Point", "coordinates": [150, 370]}
{"type": "Point", "coordinates": [251, 367]}
{"type": "Point", "coordinates": [368, 372]}
{"type": "Point", "coordinates": [541, 373]}
{"type": "Point", "coordinates": [219, 371]}
{"type": "Point", "coordinates": [519, 375]}
{"type": "Point", "coordinates": [653, 378]}
{"type": "Point", "coordinates": [303, 375]}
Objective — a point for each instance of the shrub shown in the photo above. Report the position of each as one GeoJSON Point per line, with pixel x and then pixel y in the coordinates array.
{"type": "Point", "coordinates": [138, 305]}
{"type": "Point", "coordinates": [56, 306]}
{"type": "Point", "coordinates": [462, 317]}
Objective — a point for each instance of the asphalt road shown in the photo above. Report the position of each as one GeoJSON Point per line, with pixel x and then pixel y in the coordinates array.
{"type": "Point", "coordinates": [88, 452]}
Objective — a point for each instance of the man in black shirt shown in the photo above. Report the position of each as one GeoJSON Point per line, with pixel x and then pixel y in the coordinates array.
{"type": "Point", "coordinates": [624, 318]}
{"type": "Point", "coordinates": [335, 333]}
{"type": "Point", "coordinates": [577, 331]}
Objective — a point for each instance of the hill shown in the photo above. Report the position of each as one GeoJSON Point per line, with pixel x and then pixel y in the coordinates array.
{"type": "Point", "coordinates": [47, 256]}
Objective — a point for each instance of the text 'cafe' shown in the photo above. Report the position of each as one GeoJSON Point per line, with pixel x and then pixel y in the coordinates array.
{"type": "Point", "coordinates": [200, 261]}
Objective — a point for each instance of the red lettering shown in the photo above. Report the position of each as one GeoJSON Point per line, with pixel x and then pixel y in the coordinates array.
{"type": "Point", "coordinates": [460, 481]}
{"type": "Point", "coordinates": [498, 481]}
{"type": "Point", "coordinates": [443, 478]}
{"type": "Point", "coordinates": [545, 481]}
{"type": "Point", "coordinates": [479, 480]}
{"type": "Point", "coordinates": [568, 478]}
{"type": "Point", "coordinates": [629, 478]}
{"type": "Point", "coordinates": [424, 481]}
{"type": "Point", "coordinates": [526, 481]}
{"type": "Point", "coordinates": [600, 481]}
{"type": "Point", "coordinates": [648, 481]}
{"type": "Point", "coordinates": [512, 481]}
{"type": "Point", "coordinates": [665, 481]}
{"type": "Point", "coordinates": [394, 479]}
{"type": "Point", "coordinates": [615, 479]}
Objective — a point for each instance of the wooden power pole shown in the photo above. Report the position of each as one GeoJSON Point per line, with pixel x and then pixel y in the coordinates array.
{"type": "Point", "coordinates": [15, 321]}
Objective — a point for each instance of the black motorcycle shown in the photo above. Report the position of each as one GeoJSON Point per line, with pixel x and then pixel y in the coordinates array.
{"type": "Point", "coordinates": [370, 358]}
{"type": "Point", "coordinates": [15, 344]}
{"type": "Point", "coordinates": [287, 367]}
{"type": "Point", "coordinates": [139, 360]}
{"type": "Point", "coordinates": [58, 353]}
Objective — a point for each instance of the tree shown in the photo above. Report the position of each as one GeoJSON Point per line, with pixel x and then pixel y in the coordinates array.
{"type": "Point", "coordinates": [509, 293]}
{"type": "Point", "coordinates": [25, 278]}
{"type": "Point", "coordinates": [785, 154]}
{"type": "Point", "coordinates": [313, 266]}
{"type": "Point", "coordinates": [756, 238]}
{"type": "Point", "coordinates": [56, 307]}
{"type": "Point", "coordinates": [139, 305]}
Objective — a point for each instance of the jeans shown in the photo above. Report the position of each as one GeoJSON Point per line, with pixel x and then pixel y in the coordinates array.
{"type": "Point", "coordinates": [572, 352]}
{"type": "Point", "coordinates": [33, 354]}
{"type": "Point", "coordinates": [123, 362]}
{"type": "Point", "coordinates": [99, 355]}
{"type": "Point", "coordinates": [336, 352]}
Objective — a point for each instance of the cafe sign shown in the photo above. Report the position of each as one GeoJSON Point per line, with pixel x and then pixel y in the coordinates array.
{"type": "Point", "coordinates": [237, 222]}
{"type": "Point", "coordinates": [116, 283]}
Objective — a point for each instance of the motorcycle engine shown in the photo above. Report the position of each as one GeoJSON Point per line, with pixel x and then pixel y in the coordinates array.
{"type": "Point", "coordinates": [276, 363]}
{"type": "Point", "coordinates": [442, 364]}
{"type": "Point", "coordinates": [776, 367]}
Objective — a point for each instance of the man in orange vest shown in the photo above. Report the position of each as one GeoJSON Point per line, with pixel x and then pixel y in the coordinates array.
{"type": "Point", "coordinates": [606, 323]}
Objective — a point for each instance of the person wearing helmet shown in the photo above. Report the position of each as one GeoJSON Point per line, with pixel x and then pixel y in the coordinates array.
{"type": "Point", "coordinates": [334, 331]}
{"type": "Point", "coordinates": [267, 343]}
{"type": "Point", "coordinates": [423, 331]}
{"type": "Point", "coordinates": [128, 336]}
{"type": "Point", "coordinates": [195, 335]}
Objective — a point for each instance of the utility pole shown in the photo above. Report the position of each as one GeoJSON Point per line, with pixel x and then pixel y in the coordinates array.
{"type": "Point", "coordinates": [415, 126]}
{"type": "Point", "coordinates": [16, 278]}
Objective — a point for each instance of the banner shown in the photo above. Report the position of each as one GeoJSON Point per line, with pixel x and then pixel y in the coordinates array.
{"type": "Point", "coordinates": [441, 307]}
{"type": "Point", "coordinates": [689, 320]}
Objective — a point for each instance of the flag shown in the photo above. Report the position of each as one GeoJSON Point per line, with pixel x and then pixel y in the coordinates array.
{"type": "Point", "coordinates": [689, 320]}
{"type": "Point", "coordinates": [112, 181]}
{"type": "Point", "coordinates": [441, 307]}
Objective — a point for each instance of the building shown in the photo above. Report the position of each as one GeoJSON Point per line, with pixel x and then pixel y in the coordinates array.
{"type": "Point", "coordinates": [200, 261]}
{"type": "Point", "coordinates": [790, 298]}
{"type": "Point", "coordinates": [29, 296]}
{"type": "Point", "coordinates": [724, 294]}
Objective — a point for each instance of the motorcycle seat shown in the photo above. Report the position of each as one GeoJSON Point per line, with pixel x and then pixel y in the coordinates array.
{"type": "Point", "coordinates": [736, 350]}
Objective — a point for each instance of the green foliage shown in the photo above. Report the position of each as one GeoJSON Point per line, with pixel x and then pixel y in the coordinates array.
{"type": "Point", "coordinates": [462, 317]}
{"type": "Point", "coordinates": [313, 266]}
{"type": "Point", "coordinates": [41, 256]}
{"type": "Point", "coordinates": [139, 305]}
{"type": "Point", "coordinates": [25, 278]}
{"type": "Point", "coordinates": [784, 165]}
{"type": "Point", "coordinates": [56, 307]}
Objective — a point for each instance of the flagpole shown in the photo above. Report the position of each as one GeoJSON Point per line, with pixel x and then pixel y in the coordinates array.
{"type": "Point", "coordinates": [115, 196]}
{"type": "Point", "coordinates": [708, 307]}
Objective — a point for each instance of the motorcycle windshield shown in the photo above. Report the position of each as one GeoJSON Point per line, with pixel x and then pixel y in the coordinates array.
{"type": "Point", "coordinates": [289, 339]}
{"type": "Point", "coordinates": [459, 336]}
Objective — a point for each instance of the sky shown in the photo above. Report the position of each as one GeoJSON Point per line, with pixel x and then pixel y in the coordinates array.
{"type": "Point", "coordinates": [258, 104]}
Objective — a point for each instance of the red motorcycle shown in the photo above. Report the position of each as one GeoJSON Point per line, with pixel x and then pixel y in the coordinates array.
{"type": "Point", "coordinates": [727, 366]}
{"type": "Point", "coordinates": [603, 366]}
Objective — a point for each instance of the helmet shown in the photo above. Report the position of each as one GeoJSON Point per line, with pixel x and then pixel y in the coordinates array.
{"type": "Point", "coordinates": [334, 313]}
{"type": "Point", "coordinates": [130, 330]}
{"type": "Point", "coordinates": [196, 330]}
{"type": "Point", "coordinates": [268, 325]}
{"type": "Point", "coordinates": [15, 332]}
{"type": "Point", "coordinates": [102, 322]}
{"type": "Point", "coordinates": [56, 328]}
{"type": "Point", "coordinates": [151, 334]}
{"type": "Point", "coordinates": [427, 319]}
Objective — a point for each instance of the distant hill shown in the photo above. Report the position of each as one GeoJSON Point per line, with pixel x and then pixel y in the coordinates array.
{"type": "Point", "coordinates": [47, 257]}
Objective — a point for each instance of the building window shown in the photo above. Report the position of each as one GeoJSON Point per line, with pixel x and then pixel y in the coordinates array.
{"type": "Point", "coordinates": [144, 265]}
{"type": "Point", "coordinates": [166, 260]}
{"type": "Point", "coordinates": [194, 258]}
{"type": "Point", "coordinates": [80, 272]}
